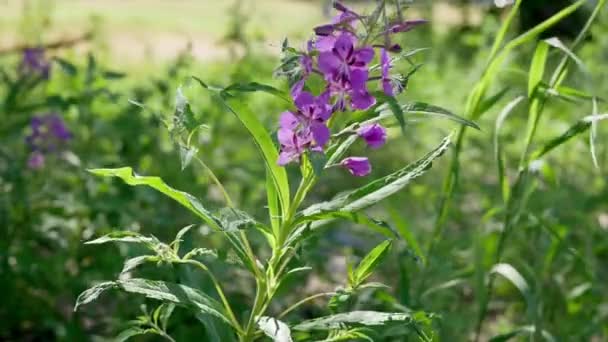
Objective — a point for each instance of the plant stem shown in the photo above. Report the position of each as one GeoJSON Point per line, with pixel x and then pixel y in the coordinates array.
{"type": "Point", "coordinates": [217, 182]}
{"type": "Point", "coordinates": [219, 290]}
{"type": "Point", "coordinates": [303, 301]}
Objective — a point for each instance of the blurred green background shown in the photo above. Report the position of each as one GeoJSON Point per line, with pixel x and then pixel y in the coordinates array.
{"type": "Point", "coordinates": [111, 51]}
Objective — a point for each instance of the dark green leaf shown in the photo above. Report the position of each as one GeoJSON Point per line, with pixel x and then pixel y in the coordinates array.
{"type": "Point", "coordinates": [167, 292]}
{"type": "Point", "coordinates": [66, 66]}
{"type": "Point", "coordinates": [369, 263]}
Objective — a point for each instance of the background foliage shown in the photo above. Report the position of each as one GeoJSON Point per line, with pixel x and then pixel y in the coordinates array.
{"type": "Point", "coordinates": [553, 271]}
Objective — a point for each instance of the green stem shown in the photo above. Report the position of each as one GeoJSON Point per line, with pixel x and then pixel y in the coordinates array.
{"type": "Point", "coordinates": [304, 301]}
{"type": "Point", "coordinates": [219, 290]}
{"type": "Point", "coordinates": [217, 182]}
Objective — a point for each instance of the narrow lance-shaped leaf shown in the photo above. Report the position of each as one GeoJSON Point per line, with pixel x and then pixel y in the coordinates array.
{"type": "Point", "coordinates": [404, 231]}
{"type": "Point", "coordinates": [421, 108]}
{"type": "Point", "coordinates": [557, 43]}
{"type": "Point", "coordinates": [185, 199]}
{"type": "Point", "coordinates": [357, 318]}
{"type": "Point", "coordinates": [370, 261]}
{"type": "Point", "coordinates": [168, 292]}
{"type": "Point", "coordinates": [593, 136]}
{"type": "Point", "coordinates": [124, 236]}
{"type": "Point", "coordinates": [264, 143]}
{"type": "Point", "coordinates": [381, 188]}
{"type": "Point", "coordinates": [511, 274]}
{"type": "Point", "coordinates": [275, 329]}
{"type": "Point", "coordinates": [574, 130]}
{"type": "Point", "coordinates": [537, 68]}
{"type": "Point", "coordinates": [359, 218]}
{"type": "Point", "coordinates": [255, 86]}
{"type": "Point", "coordinates": [504, 182]}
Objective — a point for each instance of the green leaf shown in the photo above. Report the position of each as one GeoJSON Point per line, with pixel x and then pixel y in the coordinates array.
{"type": "Point", "coordinates": [179, 237]}
{"type": "Point", "coordinates": [498, 155]}
{"type": "Point", "coordinates": [66, 66]}
{"type": "Point", "coordinates": [370, 261]}
{"type": "Point", "coordinates": [365, 318]}
{"type": "Point", "coordinates": [124, 236]}
{"type": "Point", "coordinates": [406, 233]}
{"type": "Point", "coordinates": [183, 198]}
{"type": "Point", "coordinates": [135, 262]}
{"type": "Point", "coordinates": [381, 188]}
{"type": "Point", "coordinates": [93, 293]}
{"type": "Point", "coordinates": [317, 161]}
{"type": "Point", "coordinates": [233, 220]}
{"type": "Point", "coordinates": [528, 330]}
{"type": "Point", "coordinates": [355, 217]}
{"type": "Point", "coordinates": [574, 130]}
{"type": "Point", "coordinates": [186, 154]}
{"type": "Point", "coordinates": [273, 205]}
{"type": "Point", "coordinates": [421, 108]}
{"type": "Point", "coordinates": [593, 135]}
{"type": "Point", "coordinates": [491, 101]}
{"type": "Point", "coordinates": [167, 292]}
{"type": "Point", "coordinates": [537, 68]}
{"type": "Point", "coordinates": [266, 146]}
{"type": "Point", "coordinates": [557, 43]}
{"type": "Point", "coordinates": [511, 274]}
{"type": "Point", "coordinates": [131, 332]}
{"type": "Point", "coordinates": [255, 86]}
{"type": "Point", "coordinates": [275, 329]}
{"type": "Point", "coordinates": [394, 107]}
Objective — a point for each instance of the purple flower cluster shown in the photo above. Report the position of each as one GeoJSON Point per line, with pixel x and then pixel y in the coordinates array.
{"type": "Point", "coordinates": [343, 60]}
{"type": "Point", "coordinates": [34, 62]}
{"type": "Point", "coordinates": [49, 135]}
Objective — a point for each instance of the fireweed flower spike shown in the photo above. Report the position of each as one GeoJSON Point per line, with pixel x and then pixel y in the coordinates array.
{"type": "Point", "coordinates": [374, 135]}
{"type": "Point", "coordinates": [357, 166]}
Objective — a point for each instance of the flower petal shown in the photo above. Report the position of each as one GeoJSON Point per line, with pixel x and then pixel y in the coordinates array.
{"type": "Point", "coordinates": [357, 166]}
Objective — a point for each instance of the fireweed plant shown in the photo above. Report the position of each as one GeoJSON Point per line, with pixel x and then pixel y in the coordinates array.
{"type": "Point", "coordinates": [342, 88]}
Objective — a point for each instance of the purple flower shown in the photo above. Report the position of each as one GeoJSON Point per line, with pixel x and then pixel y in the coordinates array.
{"type": "Point", "coordinates": [374, 135]}
{"type": "Point", "coordinates": [337, 63]}
{"type": "Point", "coordinates": [357, 166]}
{"type": "Point", "coordinates": [305, 129]}
{"type": "Point", "coordinates": [49, 133]}
{"type": "Point", "coordinates": [34, 62]}
{"type": "Point", "coordinates": [406, 25]}
{"type": "Point", "coordinates": [387, 84]}
{"type": "Point", "coordinates": [355, 90]}
{"type": "Point", "coordinates": [35, 161]}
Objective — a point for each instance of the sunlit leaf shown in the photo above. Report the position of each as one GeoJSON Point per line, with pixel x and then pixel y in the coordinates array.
{"type": "Point", "coordinates": [168, 292]}
{"type": "Point", "coordinates": [275, 329]}
{"type": "Point", "coordinates": [370, 261]}
{"type": "Point", "coordinates": [365, 318]}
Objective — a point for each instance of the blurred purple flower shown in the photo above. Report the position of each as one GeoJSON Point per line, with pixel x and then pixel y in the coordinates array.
{"type": "Point", "coordinates": [357, 166]}
{"type": "Point", "coordinates": [373, 134]}
{"type": "Point", "coordinates": [49, 134]}
{"type": "Point", "coordinates": [36, 160]}
{"type": "Point", "coordinates": [34, 62]}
